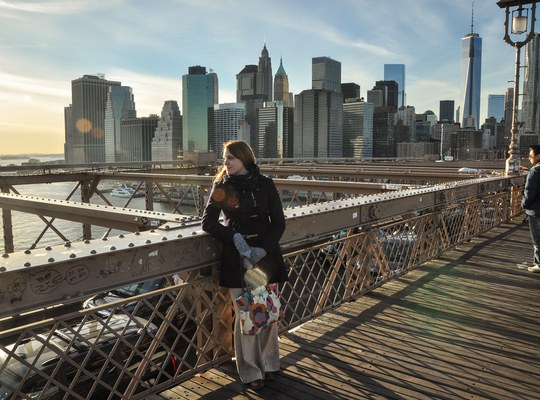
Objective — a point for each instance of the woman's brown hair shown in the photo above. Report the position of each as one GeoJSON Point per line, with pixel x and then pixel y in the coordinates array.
{"type": "Point", "coordinates": [240, 150]}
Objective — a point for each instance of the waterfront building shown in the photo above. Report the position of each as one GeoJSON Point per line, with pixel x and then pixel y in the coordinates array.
{"type": "Point", "coordinates": [496, 106]}
{"type": "Point", "coordinates": [396, 72]}
{"type": "Point", "coordinates": [531, 87]}
{"type": "Point", "coordinates": [167, 142]}
{"type": "Point", "coordinates": [227, 122]}
{"type": "Point", "coordinates": [120, 105]}
{"type": "Point", "coordinates": [471, 70]}
{"type": "Point", "coordinates": [137, 135]}
{"type": "Point", "coordinates": [276, 123]}
{"type": "Point", "coordinates": [85, 120]}
{"type": "Point", "coordinates": [446, 111]}
{"type": "Point", "coordinates": [357, 129]}
{"type": "Point", "coordinates": [199, 94]}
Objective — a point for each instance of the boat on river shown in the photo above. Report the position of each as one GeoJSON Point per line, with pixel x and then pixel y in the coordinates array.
{"type": "Point", "coordinates": [125, 191]}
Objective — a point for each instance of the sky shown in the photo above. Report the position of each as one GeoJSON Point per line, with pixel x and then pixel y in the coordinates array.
{"type": "Point", "coordinates": [149, 44]}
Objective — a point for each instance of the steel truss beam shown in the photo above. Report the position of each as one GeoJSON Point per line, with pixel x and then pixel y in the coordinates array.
{"type": "Point", "coordinates": [58, 274]}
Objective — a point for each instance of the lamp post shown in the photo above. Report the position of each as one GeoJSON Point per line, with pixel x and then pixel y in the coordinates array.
{"type": "Point", "coordinates": [520, 26]}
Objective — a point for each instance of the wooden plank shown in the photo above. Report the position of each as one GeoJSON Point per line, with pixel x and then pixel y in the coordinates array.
{"type": "Point", "coordinates": [464, 326]}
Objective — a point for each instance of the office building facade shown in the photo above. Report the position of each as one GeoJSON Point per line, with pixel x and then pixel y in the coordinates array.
{"type": "Point", "coordinates": [326, 74]}
{"type": "Point", "coordinates": [446, 111]}
{"type": "Point", "coordinates": [318, 124]}
{"type": "Point", "coordinates": [276, 124]}
{"type": "Point", "coordinates": [390, 93]}
{"type": "Point", "coordinates": [281, 86]}
{"type": "Point", "coordinates": [350, 91]}
{"type": "Point", "coordinates": [120, 105]}
{"type": "Point", "coordinates": [531, 87]}
{"type": "Point", "coordinates": [137, 135]}
{"type": "Point", "coordinates": [199, 94]}
{"type": "Point", "coordinates": [384, 132]}
{"type": "Point", "coordinates": [318, 116]}
{"type": "Point", "coordinates": [167, 143]}
{"type": "Point", "coordinates": [471, 75]}
{"type": "Point", "coordinates": [357, 129]}
{"type": "Point", "coordinates": [227, 122]}
{"type": "Point", "coordinates": [264, 76]}
{"type": "Point", "coordinates": [396, 72]}
{"type": "Point", "coordinates": [496, 106]}
{"type": "Point", "coordinates": [85, 135]}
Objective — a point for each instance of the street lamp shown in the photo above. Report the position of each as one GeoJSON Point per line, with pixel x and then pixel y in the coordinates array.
{"type": "Point", "coordinates": [520, 25]}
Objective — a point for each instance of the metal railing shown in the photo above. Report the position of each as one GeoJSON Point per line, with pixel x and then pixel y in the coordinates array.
{"type": "Point", "coordinates": [53, 347]}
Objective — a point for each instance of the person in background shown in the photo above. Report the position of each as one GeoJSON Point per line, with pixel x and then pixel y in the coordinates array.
{"type": "Point", "coordinates": [252, 226]}
{"type": "Point", "coordinates": [531, 204]}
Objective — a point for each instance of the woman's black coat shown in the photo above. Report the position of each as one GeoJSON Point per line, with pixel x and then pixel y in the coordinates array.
{"type": "Point", "coordinates": [251, 206]}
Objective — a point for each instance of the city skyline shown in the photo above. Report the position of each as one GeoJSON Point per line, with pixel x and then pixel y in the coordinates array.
{"type": "Point", "coordinates": [47, 44]}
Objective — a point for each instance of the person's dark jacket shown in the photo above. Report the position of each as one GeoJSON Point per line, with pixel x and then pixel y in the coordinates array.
{"type": "Point", "coordinates": [531, 194]}
{"type": "Point", "coordinates": [251, 206]}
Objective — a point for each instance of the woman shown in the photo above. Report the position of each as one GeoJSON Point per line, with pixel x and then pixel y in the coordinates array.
{"type": "Point", "coordinates": [252, 227]}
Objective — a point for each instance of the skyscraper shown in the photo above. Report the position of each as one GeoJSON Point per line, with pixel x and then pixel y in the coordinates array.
{"type": "Point", "coordinates": [390, 93]}
{"type": "Point", "coordinates": [496, 106]}
{"type": "Point", "coordinates": [254, 86]}
{"type": "Point", "coordinates": [264, 76]}
{"type": "Point", "coordinates": [396, 72]}
{"type": "Point", "coordinates": [471, 70]}
{"type": "Point", "coordinates": [350, 90]}
{"type": "Point", "coordinates": [85, 137]}
{"type": "Point", "coordinates": [167, 141]}
{"type": "Point", "coordinates": [407, 116]}
{"type": "Point", "coordinates": [281, 86]}
{"type": "Point", "coordinates": [531, 87]}
{"type": "Point", "coordinates": [119, 105]}
{"type": "Point", "coordinates": [326, 74]}
{"type": "Point", "coordinates": [246, 83]}
{"type": "Point", "coordinates": [318, 115]}
{"type": "Point", "coordinates": [199, 94]}
{"type": "Point", "coordinates": [446, 110]}
{"type": "Point", "coordinates": [275, 130]}
{"type": "Point", "coordinates": [357, 128]}
{"type": "Point", "coordinates": [227, 122]}
{"type": "Point", "coordinates": [137, 135]}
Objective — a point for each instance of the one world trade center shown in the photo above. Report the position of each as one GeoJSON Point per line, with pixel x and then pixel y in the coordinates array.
{"type": "Point", "coordinates": [471, 72]}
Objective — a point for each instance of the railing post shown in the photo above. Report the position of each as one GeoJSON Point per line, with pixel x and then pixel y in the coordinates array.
{"type": "Point", "coordinates": [7, 225]}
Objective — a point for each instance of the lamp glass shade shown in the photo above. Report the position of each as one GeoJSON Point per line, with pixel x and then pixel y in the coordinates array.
{"type": "Point", "coordinates": [519, 24]}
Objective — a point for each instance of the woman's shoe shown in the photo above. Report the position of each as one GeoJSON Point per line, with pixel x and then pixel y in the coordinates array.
{"type": "Point", "coordinates": [256, 384]}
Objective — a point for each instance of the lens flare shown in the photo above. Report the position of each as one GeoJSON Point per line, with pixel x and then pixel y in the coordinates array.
{"type": "Point", "coordinates": [83, 125]}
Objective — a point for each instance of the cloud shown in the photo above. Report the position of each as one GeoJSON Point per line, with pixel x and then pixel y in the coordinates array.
{"type": "Point", "coordinates": [47, 6]}
{"type": "Point", "coordinates": [150, 91]}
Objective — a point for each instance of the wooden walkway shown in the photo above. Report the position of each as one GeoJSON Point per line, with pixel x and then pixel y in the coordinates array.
{"type": "Point", "coordinates": [464, 326]}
